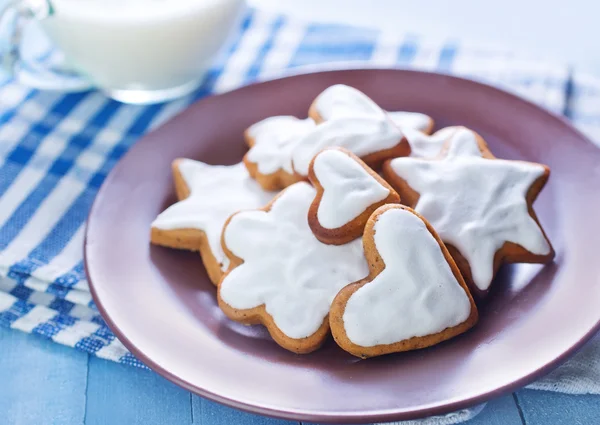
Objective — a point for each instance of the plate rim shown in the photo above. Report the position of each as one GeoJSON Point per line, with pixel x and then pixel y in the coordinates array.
{"type": "Point", "coordinates": [379, 415]}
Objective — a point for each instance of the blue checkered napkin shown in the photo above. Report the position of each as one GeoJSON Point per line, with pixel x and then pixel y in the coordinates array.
{"type": "Point", "coordinates": [57, 148]}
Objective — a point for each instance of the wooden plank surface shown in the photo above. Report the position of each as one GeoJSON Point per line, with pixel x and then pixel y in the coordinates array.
{"type": "Point", "coordinates": [548, 408]}
{"type": "Point", "coordinates": [42, 382]}
{"type": "Point", "coordinates": [207, 412]}
{"type": "Point", "coordinates": [119, 394]}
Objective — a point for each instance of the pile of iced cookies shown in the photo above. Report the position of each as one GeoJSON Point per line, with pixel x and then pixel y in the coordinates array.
{"type": "Point", "coordinates": [356, 222]}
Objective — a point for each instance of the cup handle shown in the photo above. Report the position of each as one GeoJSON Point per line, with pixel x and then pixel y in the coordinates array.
{"type": "Point", "coordinates": [15, 15]}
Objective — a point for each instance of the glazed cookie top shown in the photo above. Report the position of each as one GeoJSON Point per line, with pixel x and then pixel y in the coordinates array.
{"type": "Point", "coordinates": [476, 204]}
{"type": "Point", "coordinates": [342, 100]}
{"type": "Point", "coordinates": [415, 295]}
{"type": "Point", "coordinates": [412, 120]}
{"type": "Point", "coordinates": [350, 120]}
{"type": "Point", "coordinates": [285, 268]}
{"type": "Point", "coordinates": [272, 140]}
{"type": "Point", "coordinates": [348, 188]}
{"type": "Point", "coordinates": [429, 146]}
{"type": "Point", "coordinates": [216, 192]}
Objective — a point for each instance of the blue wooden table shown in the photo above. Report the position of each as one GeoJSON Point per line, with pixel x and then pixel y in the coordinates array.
{"type": "Point", "coordinates": [42, 383]}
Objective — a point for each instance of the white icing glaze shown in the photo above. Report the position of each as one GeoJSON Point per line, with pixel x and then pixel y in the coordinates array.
{"type": "Point", "coordinates": [216, 192]}
{"type": "Point", "coordinates": [411, 120]}
{"type": "Point", "coordinates": [363, 128]}
{"type": "Point", "coordinates": [341, 100]}
{"type": "Point", "coordinates": [475, 204]}
{"type": "Point", "coordinates": [348, 188]}
{"type": "Point", "coordinates": [426, 146]}
{"type": "Point", "coordinates": [361, 134]}
{"type": "Point", "coordinates": [285, 267]}
{"type": "Point", "coordinates": [274, 139]}
{"type": "Point", "coordinates": [415, 295]}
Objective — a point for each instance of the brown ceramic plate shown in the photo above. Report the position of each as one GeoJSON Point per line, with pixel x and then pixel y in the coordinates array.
{"type": "Point", "coordinates": [161, 304]}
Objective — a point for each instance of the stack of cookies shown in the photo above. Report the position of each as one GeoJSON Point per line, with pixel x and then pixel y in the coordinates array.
{"type": "Point", "coordinates": [357, 222]}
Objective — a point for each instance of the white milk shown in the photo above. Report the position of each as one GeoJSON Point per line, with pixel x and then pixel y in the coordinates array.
{"type": "Point", "coordinates": [152, 45]}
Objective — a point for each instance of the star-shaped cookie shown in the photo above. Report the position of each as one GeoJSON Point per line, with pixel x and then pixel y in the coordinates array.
{"type": "Point", "coordinates": [428, 146]}
{"type": "Point", "coordinates": [480, 206]}
{"type": "Point", "coordinates": [208, 195]}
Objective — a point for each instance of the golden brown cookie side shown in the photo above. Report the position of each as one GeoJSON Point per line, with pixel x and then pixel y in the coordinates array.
{"type": "Point", "coordinates": [430, 126]}
{"type": "Point", "coordinates": [376, 266]}
{"type": "Point", "coordinates": [408, 196]}
{"type": "Point", "coordinates": [313, 112]}
{"type": "Point", "coordinates": [513, 253]}
{"type": "Point", "coordinates": [187, 239]}
{"type": "Point", "coordinates": [191, 240]}
{"type": "Point", "coordinates": [376, 159]}
{"type": "Point", "coordinates": [259, 315]}
{"type": "Point", "coordinates": [181, 188]}
{"type": "Point", "coordinates": [250, 141]}
{"type": "Point", "coordinates": [353, 229]}
{"type": "Point", "coordinates": [278, 180]}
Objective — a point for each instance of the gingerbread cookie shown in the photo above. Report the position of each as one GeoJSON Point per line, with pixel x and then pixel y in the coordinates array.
{"type": "Point", "coordinates": [412, 121]}
{"type": "Point", "coordinates": [414, 296]}
{"type": "Point", "coordinates": [280, 275]}
{"type": "Point", "coordinates": [208, 195]}
{"type": "Point", "coordinates": [480, 206]}
{"type": "Point", "coordinates": [271, 141]}
{"type": "Point", "coordinates": [349, 119]}
{"type": "Point", "coordinates": [343, 100]}
{"type": "Point", "coordinates": [281, 148]}
{"type": "Point", "coordinates": [348, 192]}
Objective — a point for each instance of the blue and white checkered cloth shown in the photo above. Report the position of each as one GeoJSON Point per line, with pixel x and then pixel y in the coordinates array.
{"type": "Point", "coordinates": [56, 148]}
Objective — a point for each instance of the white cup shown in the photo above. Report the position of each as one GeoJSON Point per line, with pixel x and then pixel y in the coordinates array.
{"type": "Point", "coordinates": [136, 51]}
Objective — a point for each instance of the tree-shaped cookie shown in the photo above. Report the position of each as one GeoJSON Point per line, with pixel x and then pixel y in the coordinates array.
{"type": "Point", "coordinates": [271, 141]}
{"type": "Point", "coordinates": [414, 296]}
{"type": "Point", "coordinates": [341, 99]}
{"type": "Point", "coordinates": [350, 119]}
{"type": "Point", "coordinates": [348, 192]}
{"type": "Point", "coordinates": [281, 275]}
{"type": "Point", "coordinates": [480, 206]}
{"type": "Point", "coordinates": [282, 147]}
{"type": "Point", "coordinates": [208, 195]}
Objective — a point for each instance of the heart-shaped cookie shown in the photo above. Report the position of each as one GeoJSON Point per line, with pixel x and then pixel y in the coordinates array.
{"type": "Point", "coordinates": [348, 192]}
{"type": "Point", "coordinates": [414, 296]}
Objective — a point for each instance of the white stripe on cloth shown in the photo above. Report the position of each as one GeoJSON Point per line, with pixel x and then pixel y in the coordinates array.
{"type": "Point", "coordinates": [585, 105]}
{"type": "Point", "coordinates": [65, 260]}
{"type": "Point", "coordinates": [54, 206]}
{"type": "Point", "coordinates": [30, 111]}
{"type": "Point", "coordinates": [113, 351]}
{"type": "Point", "coordinates": [284, 47]}
{"type": "Point", "coordinates": [73, 334]}
{"type": "Point", "coordinates": [6, 301]}
{"type": "Point", "coordinates": [236, 68]}
{"type": "Point", "coordinates": [39, 314]}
